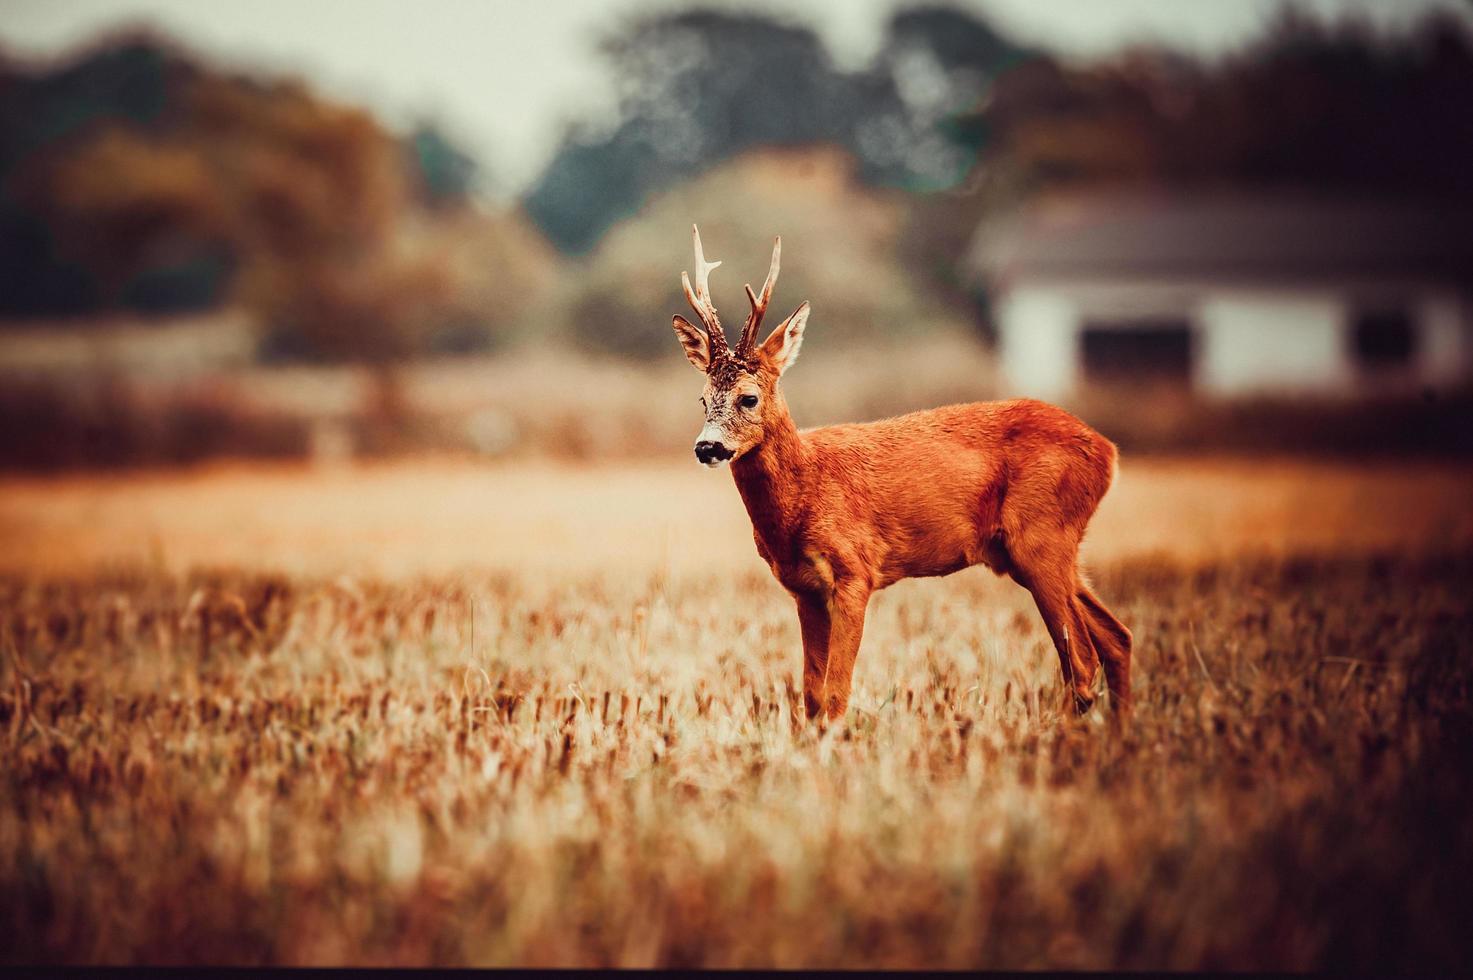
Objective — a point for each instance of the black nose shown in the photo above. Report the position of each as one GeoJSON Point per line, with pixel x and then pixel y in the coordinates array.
{"type": "Point", "coordinates": [710, 452]}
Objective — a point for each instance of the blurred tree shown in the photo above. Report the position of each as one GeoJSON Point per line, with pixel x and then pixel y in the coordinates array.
{"type": "Point", "coordinates": [944, 62]}
{"type": "Point", "coordinates": [120, 202]}
{"type": "Point", "coordinates": [694, 87]}
{"type": "Point", "coordinates": [127, 80]}
{"type": "Point", "coordinates": [839, 238]}
{"type": "Point", "coordinates": [447, 176]}
{"type": "Point", "coordinates": [699, 87]}
{"type": "Point", "coordinates": [315, 194]}
{"type": "Point", "coordinates": [1310, 104]}
{"type": "Point", "coordinates": [139, 179]}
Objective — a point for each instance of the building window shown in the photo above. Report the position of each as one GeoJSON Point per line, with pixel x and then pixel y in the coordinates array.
{"type": "Point", "coordinates": [1383, 337]}
{"type": "Point", "coordinates": [1138, 351]}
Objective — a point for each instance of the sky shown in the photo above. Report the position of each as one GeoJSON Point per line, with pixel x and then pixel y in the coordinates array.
{"type": "Point", "coordinates": [504, 77]}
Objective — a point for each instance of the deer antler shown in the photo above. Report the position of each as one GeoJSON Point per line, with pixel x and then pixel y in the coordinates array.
{"type": "Point", "coordinates": [759, 304]}
{"type": "Point", "coordinates": [700, 298]}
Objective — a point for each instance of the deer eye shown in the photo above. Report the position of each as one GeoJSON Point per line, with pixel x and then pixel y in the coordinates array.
{"type": "Point", "coordinates": [748, 401]}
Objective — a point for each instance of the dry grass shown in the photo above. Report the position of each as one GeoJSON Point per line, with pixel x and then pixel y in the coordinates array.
{"type": "Point", "coordinates": [549, 522]}
{"type": "Point", "coordinates": [565, 737]}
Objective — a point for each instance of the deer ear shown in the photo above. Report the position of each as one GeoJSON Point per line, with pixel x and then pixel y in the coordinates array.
{"type": "Point", "coordinates": [697, 345]}
{"type": "Point", "coordinates": [782, 345]}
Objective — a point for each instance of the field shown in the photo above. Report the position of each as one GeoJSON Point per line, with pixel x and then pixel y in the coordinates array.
{"type": "Point", "coordinates": [538, 714]}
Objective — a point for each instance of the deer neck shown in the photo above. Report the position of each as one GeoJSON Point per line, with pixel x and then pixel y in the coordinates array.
{"type": "Point", "coordinates": [770, 476]}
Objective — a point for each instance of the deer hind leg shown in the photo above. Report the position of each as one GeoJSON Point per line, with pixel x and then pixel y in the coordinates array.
{"type": "Point", "coordinates": [1047, 570]}
{"type": "Point", "coordinates": [1114, 644]}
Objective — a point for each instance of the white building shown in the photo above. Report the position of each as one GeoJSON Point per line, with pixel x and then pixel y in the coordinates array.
{"type": "Point", "coordinates": [1230, 294]}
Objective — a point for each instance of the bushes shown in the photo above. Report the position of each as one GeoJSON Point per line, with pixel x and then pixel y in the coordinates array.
{"type": "Point", "coordinates": [1145, 421]}
{"type": "Point", "coordinates": [561, 404]}
{"type": "Point", "coordinates": [45, 427]}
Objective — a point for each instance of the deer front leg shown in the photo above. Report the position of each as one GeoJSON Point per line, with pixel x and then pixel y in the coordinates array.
{"type": "Point", "coordinates": [832, 625]}
{"type": "Point", "coordinates": [815, 622]}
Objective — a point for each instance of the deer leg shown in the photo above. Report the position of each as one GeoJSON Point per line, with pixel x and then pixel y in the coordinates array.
{"type": "Point", "coordinates": [832, 626]}
{"type": "Point", "coordinates": [1050, 577]}
{"type": "Point", "coordinates": [849, 607]}
{"type": "Point", "coordinates": [1084, 649]}
{"type": "Point", "coordinates": [816, 624]}
{"type": "Point", "coordinates": [1114, 642]}
{"type": "Point", "coordinates": [1077, 657]}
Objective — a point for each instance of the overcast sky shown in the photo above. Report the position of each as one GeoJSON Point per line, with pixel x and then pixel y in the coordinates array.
{"type": "Point", "coordinates": [503, 77]}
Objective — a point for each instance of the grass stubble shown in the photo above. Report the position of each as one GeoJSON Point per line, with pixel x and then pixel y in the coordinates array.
{"type": "Point", "coordinates": [232, 766]}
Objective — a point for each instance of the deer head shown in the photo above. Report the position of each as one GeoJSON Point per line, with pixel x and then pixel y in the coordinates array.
{"type": "Point", "coordinates": [740, 399]}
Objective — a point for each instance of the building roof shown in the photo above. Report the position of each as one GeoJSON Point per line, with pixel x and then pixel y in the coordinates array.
{"type": "Point", "coordinates": [1239, 236]}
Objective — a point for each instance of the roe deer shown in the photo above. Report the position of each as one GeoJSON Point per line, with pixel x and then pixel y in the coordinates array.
{"type": "Point", "coordinates": [841, 511]}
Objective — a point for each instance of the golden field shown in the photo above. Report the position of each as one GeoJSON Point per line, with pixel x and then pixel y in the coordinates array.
{"type": "Point", "coordinates": [543, 714]}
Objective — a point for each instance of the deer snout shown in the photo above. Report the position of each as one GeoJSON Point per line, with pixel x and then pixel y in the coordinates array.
{"type": "Point", "coordinates": [711, 453]}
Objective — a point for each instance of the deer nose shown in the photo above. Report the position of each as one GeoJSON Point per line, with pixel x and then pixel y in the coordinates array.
{"type": "Point", "coordinates": [711, 452]}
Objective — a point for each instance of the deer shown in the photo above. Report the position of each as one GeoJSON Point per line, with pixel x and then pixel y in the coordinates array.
{"type": "Point", "coordinates": [842, 511]}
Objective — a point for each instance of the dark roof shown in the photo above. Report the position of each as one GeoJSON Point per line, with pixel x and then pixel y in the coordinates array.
{"type": "Point", "coordinates": [1282, 237]}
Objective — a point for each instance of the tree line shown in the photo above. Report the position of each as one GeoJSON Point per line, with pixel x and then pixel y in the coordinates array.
{"type": "Point", "coordinates": [139, 177]}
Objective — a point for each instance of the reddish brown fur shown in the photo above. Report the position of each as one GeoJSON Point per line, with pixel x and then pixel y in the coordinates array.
{"type": "Point", "coordinates": [843, 511]}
